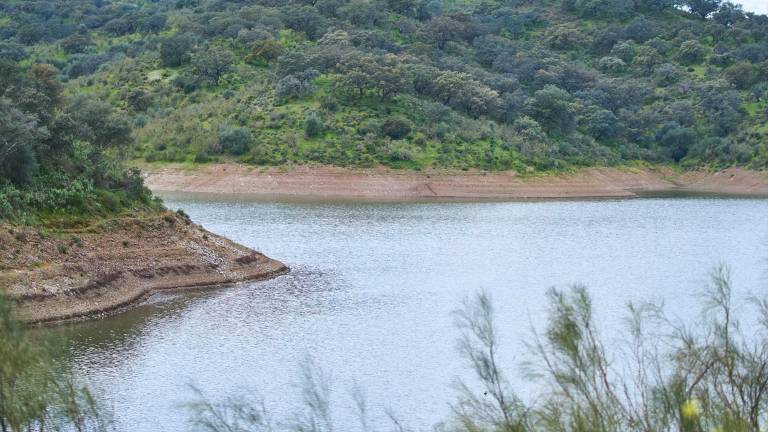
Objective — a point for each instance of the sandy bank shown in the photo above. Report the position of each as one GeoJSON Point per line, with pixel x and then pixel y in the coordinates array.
{"type": "Point", "coordinates": [65, 276]}
{"type": "Point", "coordinates": [343, 183]}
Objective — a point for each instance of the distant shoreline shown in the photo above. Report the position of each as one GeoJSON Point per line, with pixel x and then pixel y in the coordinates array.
{"type": "Point", "coordinates": [380, 184]}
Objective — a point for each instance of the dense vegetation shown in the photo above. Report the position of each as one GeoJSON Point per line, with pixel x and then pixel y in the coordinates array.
{"type": "Point", "coordinates": [490, 84]}
{"type": "Point", "coordinates": [60, 156]}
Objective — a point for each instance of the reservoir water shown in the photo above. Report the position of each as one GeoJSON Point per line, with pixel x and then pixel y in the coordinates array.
{"type": "Point", "coordinates": [371, 291]}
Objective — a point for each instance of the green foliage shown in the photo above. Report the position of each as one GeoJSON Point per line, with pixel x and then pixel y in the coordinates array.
{"type": "Point", "coordinates": [600, 79]}
{"type": "Point", "coordinates": [20, 132]}
{"type": "Point", "coordinates": [36, 392]}
{"type": "Point", "coordinates": [702, 8]}
{"type": "Point", "coordinates": [174, 51]}
{"type": "Point", "coordinates": [60, 156]}
{"type": "Point", "coordinates": [212, 63]}
{"type": "Point", "coordinates": [235, 140]}
{"type": "Point", "coordinates": [264, 51]}
{"type": "Point", "coordinates": [550, 106]}
{"type": "Point", "coordinates": [396, 128]}
{"type": "Point", "coordinates": [313, 125]}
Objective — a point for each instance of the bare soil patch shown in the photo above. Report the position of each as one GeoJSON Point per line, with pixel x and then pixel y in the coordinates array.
{"type": "Point", "coordinates": [335, 182]}
{"type": "Point", "coordinates": [117, 263]}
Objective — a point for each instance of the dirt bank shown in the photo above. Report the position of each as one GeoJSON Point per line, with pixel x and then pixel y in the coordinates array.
{"type": "Point", "coordinates": [335, 182]}
{"type": "Point", "coordinates": [71, 275]}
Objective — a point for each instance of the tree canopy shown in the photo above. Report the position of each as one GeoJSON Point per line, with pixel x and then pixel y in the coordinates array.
{"type": "Point", "coordinates": [489, 85]}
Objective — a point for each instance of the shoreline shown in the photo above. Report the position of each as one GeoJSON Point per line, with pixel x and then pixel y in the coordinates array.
{"type": "Point", "coordinates": [65, 277]}
{"type": "Point", "coordinates": [308, 183]}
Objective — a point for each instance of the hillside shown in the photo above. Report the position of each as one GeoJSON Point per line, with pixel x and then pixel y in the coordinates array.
{"type": "Point", "coordinates": [80, 234]}
{"type": "Point", "coordinates": [516, 84]}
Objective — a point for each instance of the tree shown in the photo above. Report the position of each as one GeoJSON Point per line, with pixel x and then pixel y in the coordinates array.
{"type": "Point", "coordinates": [612, 65]}
{"type": "Point", "coordinates": [361, 13]}
{"type": "Point", "coordinates": [606, 8]}
{"type": "Point", "coordinates": [305, 19]}
{"type": "Point", "coordinates": [550, 107]}
{"type": "Point", "coordinates": [120, 26]}
{"type": "Point", "coordinates": [676, 139]}
{"type": "Point", "coordinates": [702, 8]}
{"type": "Point", "coordinates": [19, 134]}
{"type": "Point", "coordinates": [32, 33]}
{"type": "Point", "coordinates": [98, 123]}
{"type": "Point", "coordinates": [264, 51]}
{"type": "Point", "coordinates": [722, 109]}
{"type": "Point", "coordinates": [655, 4]}
{"type": "Point", "coordinates": [174, 51]}
{"type": "Point", "coordinates": [12, 51]}
{"type": "Point", "coordinates": [295, 85]}
{"type": "Point", "coordinates": [600, 123]}
{"type": "Point", "coordinates": [442, 30]}
{"type": "Point", "coordinates": [691, 52]}
{"type": "Point", "coordinates": [396, 128]}
{"type": "Point", "coordinates": [313, 125]}
{"type": "Point", "coordinates": [212, 63]}
{"type": "Point", "coordinates": [76, 43]}
{"type": "Point", "coordinates": [403, 7]}
{"type": "Point", "coordinates": [666, 74]}
{"type": "Point", "coordinates": [729, 14]}
{"type": "Point", "coordinates": [564, 37]}
{"type": "Point", "coordinates": [742, 75]}
{"type": "Point", "coordinates": [235, 140]}
{"type": "Point", "coordinates": [138, 99]}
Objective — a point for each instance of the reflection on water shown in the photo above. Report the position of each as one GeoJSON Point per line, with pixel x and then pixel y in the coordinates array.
{"type": "Point", "coordinates": [372, 287]}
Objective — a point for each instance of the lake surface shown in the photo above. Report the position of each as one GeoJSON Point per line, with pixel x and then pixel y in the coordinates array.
{"type": "Point", "coordinates": [372, 288]}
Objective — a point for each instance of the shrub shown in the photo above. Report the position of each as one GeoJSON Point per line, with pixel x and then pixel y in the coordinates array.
{"type": "Point", "coordinates": [235, 140]}
{"type": "Point", "coordinates": [396, 128]}
{"type": "Point", "coordinates": [264, 51]}
{"type": "Point", "coordinates": [313, 125]}
{"type": "Point", "coordinates": [612, 65]}
{"type": "Point", "coordinates": [691, 52]}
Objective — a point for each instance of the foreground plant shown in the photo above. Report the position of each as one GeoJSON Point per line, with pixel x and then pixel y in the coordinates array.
{"type": "Point", "coordinates": [661, 375]}
{"type": "Point", "coordinates": [36, 392]}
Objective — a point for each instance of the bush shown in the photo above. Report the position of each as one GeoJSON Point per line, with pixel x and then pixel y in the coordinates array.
{"type": "Point", "coordinates": [235, 140]}
{"type": "Point", "coordinates": [612, 65]}
{"type": "Point", "coordinates": [396, 128]}
{"type": "Point", "coordinates": [691, 52]}
{"type": "Point", "coordinates": [313, 125]}
{"type": "Point", "coordinates": [174, 51]}
{"type": "Point", "coordinates": [264, 51]}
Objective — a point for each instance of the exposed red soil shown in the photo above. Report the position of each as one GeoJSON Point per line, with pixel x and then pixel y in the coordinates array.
{"type": "Point", "coordinates": [386, 184]}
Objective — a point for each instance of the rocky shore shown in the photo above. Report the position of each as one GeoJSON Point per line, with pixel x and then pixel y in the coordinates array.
{"type": "Point", "coordinates": [86, 273]}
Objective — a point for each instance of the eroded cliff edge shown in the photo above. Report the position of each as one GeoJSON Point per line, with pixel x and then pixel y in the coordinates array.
{"type": "Point", "coordinates": [101, 269]}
